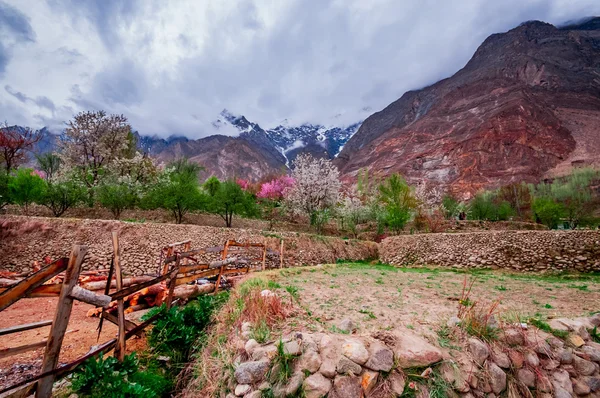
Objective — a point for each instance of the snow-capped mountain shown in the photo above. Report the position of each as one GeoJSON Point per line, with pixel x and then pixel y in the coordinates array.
{"type": "Point", "coordinates": [255, 152]}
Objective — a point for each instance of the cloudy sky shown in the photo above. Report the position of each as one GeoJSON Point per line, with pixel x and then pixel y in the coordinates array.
{"type": "Point", "coordinates": [172, 66]}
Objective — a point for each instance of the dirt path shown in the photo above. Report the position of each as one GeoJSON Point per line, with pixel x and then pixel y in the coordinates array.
{"type": "Point", "coordinates": [379, 297]}
{"type": "Point", "coordinates": [82, 334]}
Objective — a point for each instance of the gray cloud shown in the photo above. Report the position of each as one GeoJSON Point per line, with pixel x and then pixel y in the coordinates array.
{"type": "Point", "coordinates": [172, 67]}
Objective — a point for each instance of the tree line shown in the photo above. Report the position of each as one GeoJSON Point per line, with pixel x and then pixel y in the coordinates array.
{"type": "Point", "coordinates": [98, 163]}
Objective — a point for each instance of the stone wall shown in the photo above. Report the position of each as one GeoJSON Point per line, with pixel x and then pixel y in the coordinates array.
{"type": "Point", "coordinates": [24, 240]}
{"type": "Point", "coordinates": [517, 250]}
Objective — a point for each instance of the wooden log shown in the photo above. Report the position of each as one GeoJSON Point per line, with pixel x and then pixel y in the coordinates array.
{"type": "Point", "coordinates": [281, 254]}
{"type": "Point", "coordinates": [137, 307]}
{"type": "Point", "coordinates": [172, 284]}
{"type": "Point", "coordinates": [61, 320]}
{"type": "Point", "coordinates": [7, 352]}
{"type": "Point", "coordinates": [187, 292]}
{"type": "Point", "coordinates": [101, 285]}
{"type": "Point", "coordinates": [87, 296]}
{"type": "Point", "coordinates": [134, 288]}
{"type": "Point", "coordinates": [22, 328]}
{"type": "Point", "coordinates": [120, 348]}
{"type": "Point", "coordinates": [113, 319]}
{"type": "Point", "coordinates": [193, 268]}
{"type": "Point", "coordinates": [40, 291]}
{"type": "Point", "coordinates": [23, 392]}
{"type": "Point", "coordinates": [27, 285]}
{"type": "Point", "coordinates": [201, 275]}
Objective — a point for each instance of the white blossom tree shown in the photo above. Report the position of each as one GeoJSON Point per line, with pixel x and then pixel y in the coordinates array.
{"type": "Point", "coordinates": [316, 186]}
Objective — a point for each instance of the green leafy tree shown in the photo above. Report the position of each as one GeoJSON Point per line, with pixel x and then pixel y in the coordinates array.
{"type": "Point", "coordinates": [49, 163]}
{"type": "Point", "coordinates": [177, 191]}
{"type": "Point", "coordinates": [212, 185]}
{"type": "Point", "coordinates": [117, 197]}
{"type": "Point", "coordinates": [60, 196]}
{"type": "Point", "coordinates": [547, 211]}
{"type": "Point", "coordinates": [482, 207]}
{"type": "Point", "coordinates": [398, 200]}
{"type": "Point", "coordinates": [4, 189]}
{"type": "Point", "coordinates": [25, 188]}
{"type": "Point", "coordinates": [231, 199]}
{"type": "Point", "coordinates": [575, 194]}
{"type": "Point", "coordinates": [451, 206]}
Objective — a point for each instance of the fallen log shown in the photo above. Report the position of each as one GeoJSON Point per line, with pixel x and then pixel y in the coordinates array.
{"type": "Point", "coordinates": [187, 292]}
{"type": "Point", "coordinates": [100, 285]}
{"type": "Point", "coordinates": [89, 297]}
{"type": "Point", "coordinates": [136, 307]}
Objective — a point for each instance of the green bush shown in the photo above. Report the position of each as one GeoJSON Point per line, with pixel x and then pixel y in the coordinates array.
{"type": "Point", "coordinates": [108, 378]}
{"type": "Point", "coordinates": [25, 188]}
{"type": "Point", "coordinates": [547, 211]}
{"type": "Point", "coordinates": [177, 329]}
{"type": "Point", "coordinates": [59, 197]}
{"type": "Point", "coordinates": [4, 189]}
{"type": "Point", "coordinates": [117, 197]}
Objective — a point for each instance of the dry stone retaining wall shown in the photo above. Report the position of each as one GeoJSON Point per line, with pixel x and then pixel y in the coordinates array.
{"type": "Point", "coordinates": [516, 250]}
{"type": "Point", "coordinates": [24, 240]}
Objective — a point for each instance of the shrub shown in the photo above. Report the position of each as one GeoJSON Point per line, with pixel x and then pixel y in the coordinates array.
{"type": "Point", "coordinates": [59, 197]}
{"type": "Point", "coordinates": [117, 197]}
{"type": "Point", "coordinates": [230, 199]}
{"type": "Point", "coordinates": [547, 211]}
{"type": "Point", "coordinates": [176, 330]}
{"type": "Point", "coordinates": [4, 189]}
{"type": "Point", "coordinates": [107, 378]}
{"type": "Point", "coordinates": [26, 187]}
{"type": "Point", "coordinates": [398, 201]}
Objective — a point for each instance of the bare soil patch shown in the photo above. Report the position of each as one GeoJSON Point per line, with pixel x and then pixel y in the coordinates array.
{"type": "Point", "coordinates": [81, 335]}
{"type": "Point", "coordinates": [382, 297]}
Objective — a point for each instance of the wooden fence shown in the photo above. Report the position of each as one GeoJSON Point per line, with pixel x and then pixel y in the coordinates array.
{"type": "Point", "coordinates": [178, 266]}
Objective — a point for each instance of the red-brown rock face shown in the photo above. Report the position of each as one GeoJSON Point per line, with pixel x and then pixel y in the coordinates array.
{"type": "Point", "coordinates": [526, 107]}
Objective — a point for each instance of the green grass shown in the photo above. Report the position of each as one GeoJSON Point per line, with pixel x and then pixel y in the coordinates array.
{"type": "Point", "coordinates": [370, 314]}
{"type": "Point", "coordinates": [261, 332]}
{"type": "Point", "coordinates": [538, 323]}
{"type": "Point", "coordinates": [501, 288]}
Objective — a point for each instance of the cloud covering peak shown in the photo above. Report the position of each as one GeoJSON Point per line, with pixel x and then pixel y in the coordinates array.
{"type": "Point", "coordinates": [171, 67]}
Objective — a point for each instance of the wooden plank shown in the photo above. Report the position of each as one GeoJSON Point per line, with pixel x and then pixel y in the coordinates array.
{"type": "Point", "coordinates": [200, 275]}
{"type": "Point", "coordinates": [236, 271]}
{"type": "Point", "coordinates": [170, 258]}
{"type": "Point", "coordinates": [120, 348]}
{"type": "Point", "coordinates": [223, 257]}
{"type": "Point", "coordinates": [111, 271]}
{"type": "Point", "coordinates": [191, 268]}
{"type": "Point", "coordinates": [7, 352]}
{"type": "Point", "coordinates": [179, 243]}
{"type": "Point", "coordinates": [61, 320]}
{"type": "Point", "coordinates": [24, 392]}
{"type": "Point", "coordinates": [135, 288]}
{"type": "Point", "coordinates": [27, 285]}
{"type": "Point", "coordinates": [22, 328]}
{"type": "Point", "coordinates": [41, 291]}
{"type": "Point", "coordinates": [281, 254]}
{"type": "Point", "coordinates": [172, 284]}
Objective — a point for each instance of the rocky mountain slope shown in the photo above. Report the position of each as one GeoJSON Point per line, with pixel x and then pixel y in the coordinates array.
{"type": "Point", "coordinates": [525, 107]}
{"type": "Point", "coordinates": [255, 152]}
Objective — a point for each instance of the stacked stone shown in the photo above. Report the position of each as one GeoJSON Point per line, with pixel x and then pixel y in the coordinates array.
{"type": "Point", "coordinates": [537, 251]}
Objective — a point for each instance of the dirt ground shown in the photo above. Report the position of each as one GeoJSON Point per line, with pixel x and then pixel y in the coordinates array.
{"type": "Point", "coordinates": [81, 336]}
{"type": "Point", "coordinates": [380, 297]}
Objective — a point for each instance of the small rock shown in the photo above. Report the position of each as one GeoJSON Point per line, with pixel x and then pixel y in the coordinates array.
{"type": "Point", "coordinates": [501, 359]}
{"type": "Point", "coordinates": [267, 293]}
{"type": "Point", "coordinates": [251, 372]}
{"type": "Point", "coordinates": [532, 359]}
{"type": "Point", "coordinates": [328, 368]}
{"type": "Point", "coordinates": [397, 383]}
{"type": "Point", "coordinates": [264, 386]}
{"type": "Point", "coordinates": [593, 383]}
{"type": "Point", "coordinates": [347, 387]}
{"type": "Point", "coordinates": [516, 358]}
{"type": "Point", "coordinates": [368, 380]}
{"type": "Point", "coordinates": [583, 367]}
{"type": "Point", "coordinates": [452, 374]}
{"type": "Point", "coordinates": [479, 350]}
{"type": "Point", "coordinates": [561, 379]}
{"type": "Point", "coordinates": [514, 337]}
{"type": "Point", "coordinates": [497, 378]}
{"type": "Point", "coordinates": [310, 361]}
{"type": "Point", "coordinates": [575, 340]}
{"type": "Point", "coordinates": [316, 386]}
{"type": "Point", "coordinates": [242, 389]}
{"type": "Point", "coordinates": [347, 326]}
{"type": "Point", "coordinates": [355, 351]}
{"type": "Point", "coordinates": [580, 387]}
{"type": "Point", "coordinates": [594, 353]}
{"type": "Point", "coordinates": [346, 366]}
{"type": "Point", "coordinates": [250, 346]}
{"type": "Point", "coordinates": [411, 351]}
{"type": "Point", "coordinates": [527, 377]}
{"type": "Point", "coordinates": [294, 384]}
{"type": "Point", "coordinates": [381, 358]}
{"type": "Point", "coordinates": [549, 364]}
{"type": "Point", "coordinates": [254, 394]}
{"type": "Point", "coordinates": [264, 353]}
{"type": "Point", "coordinates": [543, 383]}
{"type": "Point", "coordinates": [293, 347]}
{"type": "Point", "coordinates": [565, 356]}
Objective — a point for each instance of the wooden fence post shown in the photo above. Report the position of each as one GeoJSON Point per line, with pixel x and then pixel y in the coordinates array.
{"type": "Point", "coordinates": [173, 282]}
{"type": "Point", "coordinates": [61, 321]}
{"type": "Point", "coordinates": [120, 348]}
{"type": "Point", "coordinates": [281, 254]}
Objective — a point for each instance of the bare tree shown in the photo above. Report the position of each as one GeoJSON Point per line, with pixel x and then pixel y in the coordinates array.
{"type": "Point", "coordinates": [92, 141]}
{"type": "Point", "coordinates": [15, 142]}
